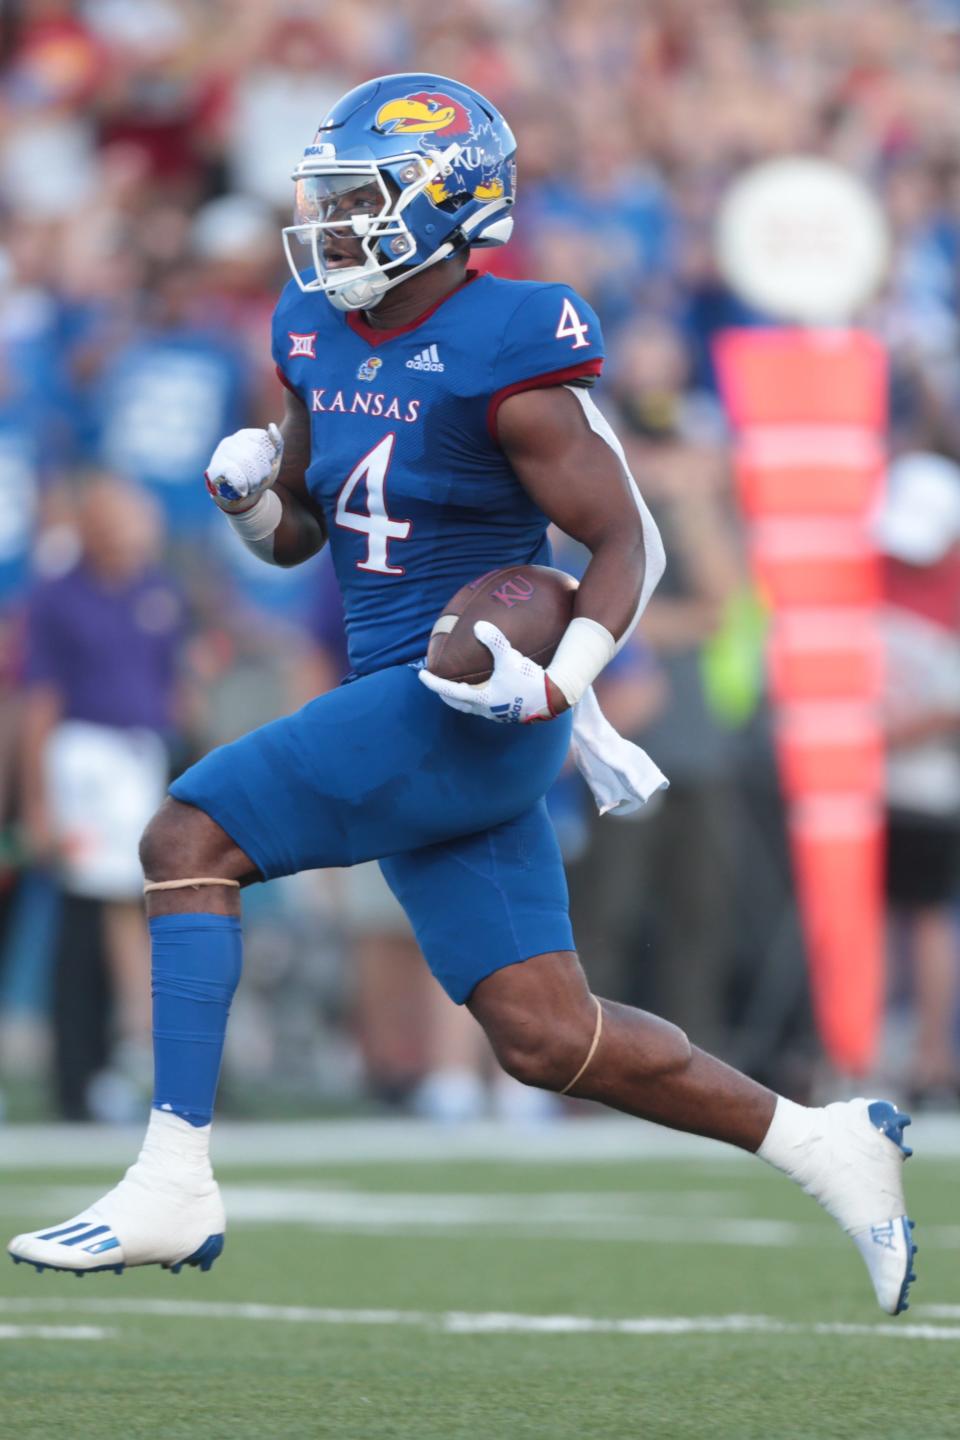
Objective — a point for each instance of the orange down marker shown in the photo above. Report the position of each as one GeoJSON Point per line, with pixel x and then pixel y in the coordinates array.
{"type": "Point", "coordinates": [809, 411]}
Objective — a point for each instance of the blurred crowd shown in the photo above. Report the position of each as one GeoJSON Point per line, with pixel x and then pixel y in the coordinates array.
{"type": "Point", "coordinates": [145, 154]}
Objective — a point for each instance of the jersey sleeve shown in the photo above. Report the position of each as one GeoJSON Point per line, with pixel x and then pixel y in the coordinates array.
{"type": "Point", "coordinates": [553, 337]}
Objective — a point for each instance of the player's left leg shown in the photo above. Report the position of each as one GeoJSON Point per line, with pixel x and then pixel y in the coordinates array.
{"type": "Point", "coordinates": [548, 1030]}
{"type": "Point", "coordinates": [490, 915]}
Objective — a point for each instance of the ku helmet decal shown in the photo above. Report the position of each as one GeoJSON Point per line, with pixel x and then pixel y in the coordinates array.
{"type": "Point", "coordinates": [403, 172]}
{"type": "Point", "coordinates": [424, 114]}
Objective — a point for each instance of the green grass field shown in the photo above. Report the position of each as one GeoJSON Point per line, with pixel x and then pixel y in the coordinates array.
{"type": "Point", "coordinates": [487, 1299]}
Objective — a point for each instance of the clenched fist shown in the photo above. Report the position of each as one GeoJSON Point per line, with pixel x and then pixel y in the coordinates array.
{"type": "Point", "coordinates": [243, 466]}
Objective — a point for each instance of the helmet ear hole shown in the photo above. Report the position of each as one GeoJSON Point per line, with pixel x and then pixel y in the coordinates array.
{"type": "Point", "coordinates": [498, 232]}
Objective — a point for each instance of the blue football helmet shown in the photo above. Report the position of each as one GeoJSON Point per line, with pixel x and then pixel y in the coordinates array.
{"type": "Point", "coordinates": [405, 171]}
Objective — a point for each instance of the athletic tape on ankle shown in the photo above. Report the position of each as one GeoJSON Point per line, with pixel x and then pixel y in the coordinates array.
{"type": "Point", "coordinates": [186, 884]}
{"type": "Point", "coordinates": [597, 1029]}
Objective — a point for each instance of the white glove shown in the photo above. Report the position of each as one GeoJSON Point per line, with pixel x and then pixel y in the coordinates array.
{"type": "Point", "coordinates": [243, 466]}
{"type": "Point", "coordinates": [516, 692]}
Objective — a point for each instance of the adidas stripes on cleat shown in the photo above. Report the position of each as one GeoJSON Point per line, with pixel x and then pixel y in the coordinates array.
{"type": "Point", "coordinates": [166, 1211]}
{"type": "Point", "coordinates": [129, 1226]}
{"type": "Point", "coordinates": [204, 1257]}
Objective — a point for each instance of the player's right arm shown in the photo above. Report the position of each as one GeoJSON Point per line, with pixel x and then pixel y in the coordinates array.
{"type": "Point", "coordinates": [258, 479]}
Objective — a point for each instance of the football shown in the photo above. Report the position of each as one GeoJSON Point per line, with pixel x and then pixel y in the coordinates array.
{"type": "Point", "coordinates": [531, 604]}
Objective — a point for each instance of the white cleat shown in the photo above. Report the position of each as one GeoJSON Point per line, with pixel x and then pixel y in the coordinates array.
{"type": "Point", "coordinates": [134, 1224]}
{"type": "Point", "coordinates": [166, 1211]}
{"type": "Point", "coordinates": [852, 1163]}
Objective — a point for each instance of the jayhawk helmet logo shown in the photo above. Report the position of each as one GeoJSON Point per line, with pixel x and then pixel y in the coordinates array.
{"type": "Point", "coordinates": [424, 114]}
{"type": "Point", "coordinates": [440, 120]}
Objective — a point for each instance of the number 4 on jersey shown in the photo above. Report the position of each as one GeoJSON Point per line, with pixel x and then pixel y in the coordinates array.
{"type": "Point", "coordinates": [376, 523]}
{"type": "Point", "coordinates": [571, 326]}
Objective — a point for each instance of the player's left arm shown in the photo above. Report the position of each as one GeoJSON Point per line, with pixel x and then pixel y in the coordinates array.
{"type": "Point", "coordinates": [577, 478]}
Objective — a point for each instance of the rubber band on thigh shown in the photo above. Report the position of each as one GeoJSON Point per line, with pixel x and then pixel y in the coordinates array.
{"type": "Point", "coordinates": [195, 883]}
{"type": "Point", "coordinates": [597, 1031]}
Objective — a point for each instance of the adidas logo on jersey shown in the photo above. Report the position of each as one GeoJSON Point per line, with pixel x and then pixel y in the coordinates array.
{"type": "Point", "coordinates": [428, 359]}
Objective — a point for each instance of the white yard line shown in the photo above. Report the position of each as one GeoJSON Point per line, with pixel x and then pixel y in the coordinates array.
{"type": "Point", "coordinates": [55, 1332]}
{"type": "Point", "coordinates": [361, 1142]}
{"type": "Point", "coordinates": [338, 1204]}
{"type": "Point", "coordinates": [364, 1142]}
{"type": "Point", "coordinates": [656, 1217]}
{"type": "Point", "coordinates": [645, 1217]}
{"type": "Point", "coordinates": [459, 1322]}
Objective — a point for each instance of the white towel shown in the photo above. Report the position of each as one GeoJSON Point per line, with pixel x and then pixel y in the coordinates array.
{"type": "Point", "coordinates": [620, 774]}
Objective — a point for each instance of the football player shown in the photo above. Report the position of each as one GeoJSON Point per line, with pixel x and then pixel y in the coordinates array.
{"type": "Point", "coordinates": [435, 422]}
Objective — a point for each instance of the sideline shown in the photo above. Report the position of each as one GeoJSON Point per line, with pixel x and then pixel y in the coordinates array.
{"type": "Point", "coordinates": [55, 1332]}
{"type": "Point", "coordinates": [583, 1139]}
{"type": "Point", "coordinates": [461, 1322]}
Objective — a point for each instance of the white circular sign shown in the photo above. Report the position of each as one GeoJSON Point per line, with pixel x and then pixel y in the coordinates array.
{"type": "Point", "coordinates": [802, 239]}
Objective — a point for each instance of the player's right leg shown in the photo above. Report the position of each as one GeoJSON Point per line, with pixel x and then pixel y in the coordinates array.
{"type": "Point", "coordinates": [167, 1208]}
{"type": "Point", "coordinates": [491, 917]}
{"type": "Point", "coordinates": [548, 1030]}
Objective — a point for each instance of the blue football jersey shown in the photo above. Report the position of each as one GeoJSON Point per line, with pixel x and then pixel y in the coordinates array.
{"type": "Point", "coordinates": [417, 494]}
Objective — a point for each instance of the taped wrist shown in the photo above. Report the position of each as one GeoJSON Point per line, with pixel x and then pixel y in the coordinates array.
{"type": "Point", "coordinates": [256, 526]}
{"type": "Point", "coordinates": [586, 647]}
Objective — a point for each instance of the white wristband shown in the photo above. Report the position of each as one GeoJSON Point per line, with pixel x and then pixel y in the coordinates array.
{"type": "Point", "coordinates": [583, 651]}
{"type": "Point", "coordinates": [256, 526]}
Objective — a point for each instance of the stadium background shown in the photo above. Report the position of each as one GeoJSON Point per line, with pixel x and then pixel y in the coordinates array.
{"type": "Point", "coordinates": [490, 1278]}
{"type": "Point", "coordinates": [144, 177]}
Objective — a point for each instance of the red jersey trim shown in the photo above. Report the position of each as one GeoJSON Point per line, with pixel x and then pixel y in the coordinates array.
{"type": "Point", "coordinates": [539, 382]}
{"type": "Point", "coordinates": [373, 336]}
{"type": "Point", "coordinates": [287, 384]}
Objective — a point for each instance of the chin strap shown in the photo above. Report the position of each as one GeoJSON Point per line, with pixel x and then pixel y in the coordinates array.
{"type": "Point", "coordinates": [369, 278]}
{"type": "Point", "coordinates": [186, 884]}
{"type": "Point", "coordinates": [597, 1031]}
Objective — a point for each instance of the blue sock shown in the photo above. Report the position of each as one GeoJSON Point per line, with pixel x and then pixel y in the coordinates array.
{"type": "Point", "coordinates": [196, 966]}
